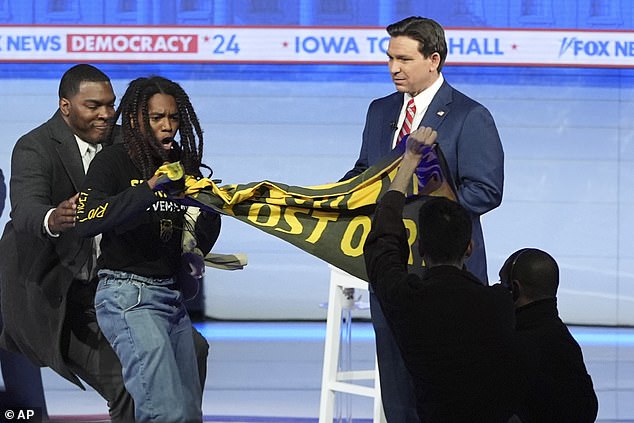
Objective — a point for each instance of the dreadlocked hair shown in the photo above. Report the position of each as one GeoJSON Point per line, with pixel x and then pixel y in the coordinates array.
{"type": "Point", "coordinates": [142, 146]}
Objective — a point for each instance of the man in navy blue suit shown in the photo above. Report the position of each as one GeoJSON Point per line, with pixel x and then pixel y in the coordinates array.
{"type": "Point", "coordinates": [469, 140]}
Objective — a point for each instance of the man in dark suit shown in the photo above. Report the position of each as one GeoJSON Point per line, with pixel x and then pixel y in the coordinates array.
{"type": "Point", "coordinates": [46, 269]}
{"type": "Point", "coordinates": [469, 140]}
{"type": "Point", "coordinates": [563, 391]}
{"type": "Point", "coordinates": [23, 386]}
{"type": "Point", "coordinates": [456, 335]}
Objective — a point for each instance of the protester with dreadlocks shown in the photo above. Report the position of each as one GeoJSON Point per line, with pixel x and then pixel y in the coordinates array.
{"type": "Point", "coordinates": [139, 298]}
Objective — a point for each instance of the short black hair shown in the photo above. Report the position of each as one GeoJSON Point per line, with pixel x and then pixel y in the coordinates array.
{"type": "Point", "coordinates": [429, 34]}
{"type": "Point", "coordinates": [73, 77]}
{"type": "Point", "coordinates": [536, 270]}
{"type": "Point", "coordinates": [444, 230]}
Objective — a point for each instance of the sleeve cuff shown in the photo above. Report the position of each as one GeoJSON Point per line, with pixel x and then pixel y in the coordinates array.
{"type": "Point", "coordinates": [45, 225]}
{"type": "Point", "coordinates": [394, 198]}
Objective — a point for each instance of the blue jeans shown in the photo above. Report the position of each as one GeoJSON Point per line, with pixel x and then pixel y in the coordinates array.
{"type": "Point", "coordinates": [147, 325]}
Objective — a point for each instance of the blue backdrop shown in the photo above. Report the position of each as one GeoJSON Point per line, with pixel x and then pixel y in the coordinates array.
{"type": "Point", "coordinates": [567, 133]}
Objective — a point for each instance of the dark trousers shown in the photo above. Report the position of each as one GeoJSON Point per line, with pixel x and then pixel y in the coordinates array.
{"type": "Point", "coordinates": [202, 351]}
{"type": "Point", "coordinates": [22, 383]}
{"type": "Point", "coordinates": [397, 389]}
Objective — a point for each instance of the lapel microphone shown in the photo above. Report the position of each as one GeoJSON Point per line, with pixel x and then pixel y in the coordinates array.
{"type": "Point", "coordinates": [393, 125]}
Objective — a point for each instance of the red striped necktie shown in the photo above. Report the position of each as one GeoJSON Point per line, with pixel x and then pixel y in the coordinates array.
{"type": "Point", "coordinates": [408, 121]}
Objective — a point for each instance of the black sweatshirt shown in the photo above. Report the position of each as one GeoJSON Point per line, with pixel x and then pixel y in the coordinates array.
{"type": "Point", "coordinates": [142, 229]}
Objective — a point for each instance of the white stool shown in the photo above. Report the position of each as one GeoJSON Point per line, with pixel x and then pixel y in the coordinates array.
{"type": "Point", "coordinates": [334, 380]}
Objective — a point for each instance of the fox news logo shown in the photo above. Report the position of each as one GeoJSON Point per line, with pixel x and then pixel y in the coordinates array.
{"type": "Point", "coordinates": [595, 48]}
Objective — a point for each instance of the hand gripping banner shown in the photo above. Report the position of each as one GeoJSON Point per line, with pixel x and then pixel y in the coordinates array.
{"type": "Point", "coordinates": [330, 221]}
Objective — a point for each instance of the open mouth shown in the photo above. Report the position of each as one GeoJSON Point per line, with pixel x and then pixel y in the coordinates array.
{"type": "Point", "coordinates": [167, 143]}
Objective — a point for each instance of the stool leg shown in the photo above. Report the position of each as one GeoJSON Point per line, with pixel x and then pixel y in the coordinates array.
{"type": "Point", "coordinates": [331, 354]}
{"type": "Point", "coordinates": [338, 352]}
{"type": "Point", "coordinates": [343, 400]}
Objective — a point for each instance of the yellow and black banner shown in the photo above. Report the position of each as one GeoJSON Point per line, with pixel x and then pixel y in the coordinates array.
{"type": "Point", "coordinates": [329, 221]}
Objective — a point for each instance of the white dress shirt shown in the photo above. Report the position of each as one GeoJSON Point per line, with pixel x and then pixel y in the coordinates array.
{"type": "Point", "coordinates": [422, 101]}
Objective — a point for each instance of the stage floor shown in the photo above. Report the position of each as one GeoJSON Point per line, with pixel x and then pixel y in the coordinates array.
{"type": "Point", "coordinates": [271, 372]}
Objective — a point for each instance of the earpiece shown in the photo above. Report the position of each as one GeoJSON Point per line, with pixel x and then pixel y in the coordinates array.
{"type": "Point", "coordinates": [513, 285]}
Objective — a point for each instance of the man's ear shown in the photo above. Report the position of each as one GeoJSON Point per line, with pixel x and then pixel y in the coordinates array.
{"type": "Point", "coordinates": [435, 60]}
{"type": "Point", "coordinates": [64, 106]}
{"type": "Point", "coordinates": [516, 288]}
{"type": "Point", "coordinates": [469, 250]}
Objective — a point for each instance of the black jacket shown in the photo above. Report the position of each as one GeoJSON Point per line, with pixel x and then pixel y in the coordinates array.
{"type": "Point", "coordinates": [563, 392]}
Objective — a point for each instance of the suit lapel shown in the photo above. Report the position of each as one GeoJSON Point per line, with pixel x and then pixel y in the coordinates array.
{"type": "Point", "coordinates": [439, 107]}
{"type": "Point", "coordinates": [438, 110]}
{"type": "Point", "coordinates": [67, 150]}
{"type": "Point", "coordinates": [393, 111]}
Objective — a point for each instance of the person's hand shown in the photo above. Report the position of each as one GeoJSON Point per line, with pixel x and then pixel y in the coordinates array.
{"type": "Point", "coordinates": [415, 144]}
{"type": "Point", "coordinates": [194, 264]}
{"type": "Point", "coordinates": [64, 215]}
{"type": "Point", "coordinates": [191, 272]}
{"type": "Point", "coordinates": [169, 178]}
{"type": "Point", "coordinates": [152, 181]}
{"type": "Point", "coordinates": [419, 139]}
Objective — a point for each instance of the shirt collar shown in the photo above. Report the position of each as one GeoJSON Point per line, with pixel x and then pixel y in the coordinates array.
{"type": "Point", "coordinates": [83, 145]}
{"type": "Point", "coordinates": [423, 99]}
